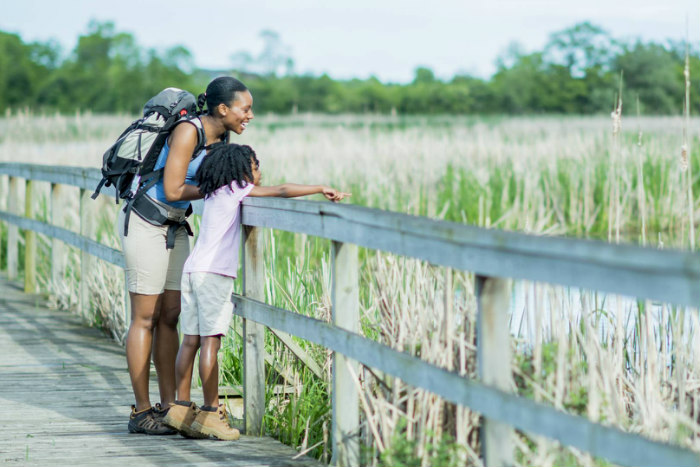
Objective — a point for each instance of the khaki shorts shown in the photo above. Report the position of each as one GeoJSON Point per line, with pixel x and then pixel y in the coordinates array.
{"type": "Point", "coordinates": [150, 267]}
{"type": "Point", "coordinates": [206, 307]}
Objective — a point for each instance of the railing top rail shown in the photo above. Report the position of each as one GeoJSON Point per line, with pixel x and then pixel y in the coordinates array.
{"type": "Point", "coordinates": [669, 275]}
{"type": "Point", "coordinates": [81, 177]}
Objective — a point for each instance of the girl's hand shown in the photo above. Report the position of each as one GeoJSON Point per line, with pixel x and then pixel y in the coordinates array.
{"type": "Point", "coordinates": [334, 195]}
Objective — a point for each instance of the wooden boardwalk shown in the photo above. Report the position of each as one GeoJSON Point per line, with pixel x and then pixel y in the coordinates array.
{"type": "Point", "coordinates": [65, 398]}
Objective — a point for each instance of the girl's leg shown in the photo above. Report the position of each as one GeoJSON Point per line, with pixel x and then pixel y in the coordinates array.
{"type": "Point", "coordinates": [166, 342]}
{"type": "Point", "coordinates": [144, 318]}
{"type": "Point", "coordinates": [184, 366]}
{"type": "Point", "coordinates": [209, 369]}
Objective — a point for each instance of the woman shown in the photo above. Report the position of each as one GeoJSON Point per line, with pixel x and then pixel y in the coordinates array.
{"type": "Point", "coordinates": [153, 268]}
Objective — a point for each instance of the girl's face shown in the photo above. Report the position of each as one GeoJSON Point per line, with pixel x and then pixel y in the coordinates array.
{"type": "Point", "coordinates": [257, 175]}
{"type": "Point", "coordinates": [237, 116]}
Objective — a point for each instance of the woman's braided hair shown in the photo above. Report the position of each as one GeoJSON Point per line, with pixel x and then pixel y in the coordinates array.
{"type": "Point", "coordinates": [224, 165]}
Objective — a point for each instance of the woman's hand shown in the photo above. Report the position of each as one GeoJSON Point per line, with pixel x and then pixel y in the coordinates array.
{"type": "Point", "coordinates": [334, 195]}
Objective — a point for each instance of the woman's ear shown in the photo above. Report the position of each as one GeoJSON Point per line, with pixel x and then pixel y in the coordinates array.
{"type": "Point", "coordinates": [222, 109]}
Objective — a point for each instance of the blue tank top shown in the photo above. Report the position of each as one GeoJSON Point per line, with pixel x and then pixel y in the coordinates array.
{"type": "Point", "coordinates": [158, 192]}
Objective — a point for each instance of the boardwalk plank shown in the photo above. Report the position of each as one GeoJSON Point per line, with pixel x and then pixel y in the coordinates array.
{"type": "Point", "coordinates": [65, 395]}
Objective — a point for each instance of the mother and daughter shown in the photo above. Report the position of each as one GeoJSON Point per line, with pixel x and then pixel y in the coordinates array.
{"type": "Point", "coordinates": [158, 290]}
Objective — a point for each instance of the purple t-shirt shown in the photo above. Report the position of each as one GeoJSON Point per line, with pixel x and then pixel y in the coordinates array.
{"type": "Point", "coordinates": [219, 240]}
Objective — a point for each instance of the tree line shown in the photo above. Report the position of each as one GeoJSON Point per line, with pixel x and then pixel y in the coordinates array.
{"type": "Point", "coordinates": [579, 71]}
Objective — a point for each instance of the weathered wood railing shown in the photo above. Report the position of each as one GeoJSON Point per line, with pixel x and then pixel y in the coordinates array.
{"type": "Point", "coordinates": [668, 276]}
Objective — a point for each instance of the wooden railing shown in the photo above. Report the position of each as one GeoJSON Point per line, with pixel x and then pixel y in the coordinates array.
{"type": "Point", "coordinates": [667, 276]}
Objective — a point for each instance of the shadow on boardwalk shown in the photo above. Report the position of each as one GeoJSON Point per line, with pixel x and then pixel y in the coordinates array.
{"type": "Point", "coordinates": [65, 396]}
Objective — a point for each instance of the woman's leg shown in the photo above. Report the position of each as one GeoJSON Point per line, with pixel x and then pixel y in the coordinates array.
{"type": "Point", "coordinates": [144, 317]}
{"type": "Point", "coordinates": [166, 342]}
{"type": "Point", "coordinates": [184, 366]}
{"type": "Point", "coordinates": [209, 369]}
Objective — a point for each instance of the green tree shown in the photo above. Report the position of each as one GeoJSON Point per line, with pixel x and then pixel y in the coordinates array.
{"type": "Point", "coordinates": [21, 75]}
{"type": "Point", "coordinates": [481, 97]}
{"type": "Point", "coordinates": [109, 72]}
{"type": "Point", "coordinates": [653, 73]}
{"type": "Point", "coordinates": [576, 72]}
{"type": "Point", "coordinates": [424, 75]}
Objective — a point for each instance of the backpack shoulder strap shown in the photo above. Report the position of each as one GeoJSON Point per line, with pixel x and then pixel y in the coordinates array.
{"type": "Point", "coordinates": [201, 136]}
{"type": "Point", "coordinates": [226, 140]}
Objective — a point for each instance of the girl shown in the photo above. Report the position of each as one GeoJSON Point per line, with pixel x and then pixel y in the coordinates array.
{"type": "Point", "coordinates": [153, 270]}
{"type": "Point", "coordinates": [226, 176]}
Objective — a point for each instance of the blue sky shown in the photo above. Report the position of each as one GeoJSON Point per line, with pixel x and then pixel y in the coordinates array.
{"type": "Point", "coordinates": [359, 38]}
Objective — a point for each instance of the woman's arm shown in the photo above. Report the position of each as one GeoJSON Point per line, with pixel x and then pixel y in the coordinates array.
{"type": "Point", "coordinates": [293, 190]}
{"type": "Point", "coordinates": [182, 144]}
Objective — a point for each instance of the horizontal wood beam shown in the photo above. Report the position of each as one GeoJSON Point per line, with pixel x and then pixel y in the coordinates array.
{"type": "Point", "coordinates": [668, 275]}
{"type": "Point", "coordinates": [67, 236]}
{"type": "Point", "coordinates": [82, 177]}
{"type": "Point", "coordinates": [671, 276]}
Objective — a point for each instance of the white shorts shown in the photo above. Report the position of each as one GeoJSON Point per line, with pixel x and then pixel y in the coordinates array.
{"type": "Point", "coordinates": [206, 304]}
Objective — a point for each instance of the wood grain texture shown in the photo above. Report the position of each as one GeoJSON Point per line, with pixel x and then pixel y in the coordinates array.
{"type": "Point", "coordinates": [253, 334]}
{"type": "Point", "coordinates": [345, 314]}
{"type": "Point", "coordinates": [65, 397]}
{"type": "Point", "coordinates": [647, 273]}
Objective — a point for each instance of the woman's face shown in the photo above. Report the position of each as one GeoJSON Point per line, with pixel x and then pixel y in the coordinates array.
{"type": "Point", "coordinates": [237, 116]}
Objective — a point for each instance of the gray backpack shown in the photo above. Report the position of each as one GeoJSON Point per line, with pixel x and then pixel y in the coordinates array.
{"type": "Point", "coordinates": [136, 150]}
{"type": "Point", "coordinates": [129, 163]}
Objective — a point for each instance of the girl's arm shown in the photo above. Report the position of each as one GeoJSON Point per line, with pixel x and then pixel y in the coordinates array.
{"type": "Point", "coordinates": [182, 143]}
{"type": "Point", "coordinates": [293, 190]}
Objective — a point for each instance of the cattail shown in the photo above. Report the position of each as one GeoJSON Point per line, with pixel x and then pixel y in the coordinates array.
{"type": "Point", "coordinates": [684, 157]}
{"type": "Point", "coordinates": [616, 116]}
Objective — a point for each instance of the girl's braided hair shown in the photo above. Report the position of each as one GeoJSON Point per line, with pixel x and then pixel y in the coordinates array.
{"type": "Point", "coordinates": [224, 165]}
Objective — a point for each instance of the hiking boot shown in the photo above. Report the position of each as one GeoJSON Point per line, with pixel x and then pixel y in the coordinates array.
{"type": "Point", "coordinates": [145, 422]}
{"type": "Point", "coordinates": [159, 412]}
{"type": "Point", "coordinates": [213, 422]}
{"type": "Point", "coordinates": [180, 416]}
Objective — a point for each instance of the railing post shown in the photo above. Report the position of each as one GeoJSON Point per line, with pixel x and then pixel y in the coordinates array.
{"type": "Point", "coordinates": [493, 360]}
{"type": "Point", "coordinates": [85, 258]}
{"type": "Point", "coordinates": [253, 334]}
{"type": "Point", "coordinates": [29, 241]}
{"type": "Point", "coordinates": [58, 253]}
{"type": "Point", "coordinates": [12, 230]}
{"type": "Point", "coordinates": [345, 397]}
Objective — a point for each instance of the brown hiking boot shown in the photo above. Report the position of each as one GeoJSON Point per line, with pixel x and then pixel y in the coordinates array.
{"type": "Point", "coordinates": [145, 422]}
{"type": "Point", "coordinates": [215, 424]}
{"type": "Point", "coordinates": [180, 416]}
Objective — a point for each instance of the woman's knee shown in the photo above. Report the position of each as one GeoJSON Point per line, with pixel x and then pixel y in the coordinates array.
{"type": "Point", "coordinates": [169, 317]}
{"type": "Point", "coordinates": [145, 311]}
{"type": "Point", "coordinates": [170, 308]}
